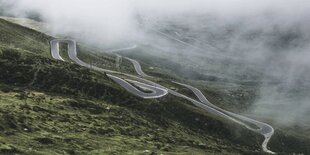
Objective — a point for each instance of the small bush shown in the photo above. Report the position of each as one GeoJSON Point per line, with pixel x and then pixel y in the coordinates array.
{"type": "Point", "coordinates": [10, 54]}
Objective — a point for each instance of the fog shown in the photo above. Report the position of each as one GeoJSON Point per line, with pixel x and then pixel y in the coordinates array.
{"type": "Point", "coordinates": [98, 21]}
{"type": "Point", "coordinates": [270, 38]}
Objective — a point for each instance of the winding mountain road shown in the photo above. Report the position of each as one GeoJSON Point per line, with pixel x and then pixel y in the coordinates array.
{"type": "Point", "coordinates": [123, 49]}
{"type": "Point", "coordinates": [137, 67]}
{"type": "Point", "coordinates": [154, 90]}
{"type": "Point", "coordinates": [55, 49]}
{"type": "Point", "coordinates": [263, 128]}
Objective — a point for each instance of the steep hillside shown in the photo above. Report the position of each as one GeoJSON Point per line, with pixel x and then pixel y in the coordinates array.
{"type": "Point", "coordinates": [53, 107]}
{"type": "Point", "coordinates": [15, 36]}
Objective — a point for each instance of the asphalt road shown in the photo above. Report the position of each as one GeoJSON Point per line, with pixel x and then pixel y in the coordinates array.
{"type": "Point", "coordinates": [154, 90]}
{"type": "Point", "coordinates": [123, 49]}
{"type": "Point", "coordinates": [149, 90]}
{"type": "Point", "coordinates": [137, 67]}
{"type": "Point", "coordinates": [55, 50]}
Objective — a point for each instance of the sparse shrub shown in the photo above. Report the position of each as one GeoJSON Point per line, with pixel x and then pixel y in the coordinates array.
{"type": "Point", "coordinates": [10, 54]}
{"type": "Point", "coordinates": [5, 89]}
{"type": "Point", "coordinates": [8, 149]}
{"type": "Point", "coordinates": [45, 140]}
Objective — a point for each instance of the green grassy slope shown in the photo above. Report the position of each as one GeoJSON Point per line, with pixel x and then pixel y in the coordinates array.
{"type": "Point", "coordinates": [42, 115]}
{"type": "Point", "coordinates": [52, 107]}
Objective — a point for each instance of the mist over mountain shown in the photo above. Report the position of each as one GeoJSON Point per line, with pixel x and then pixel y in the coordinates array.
{"type": "Point", "coordinates": [265, 48]}
{"type": "Point", "coordinates": [266, 42]}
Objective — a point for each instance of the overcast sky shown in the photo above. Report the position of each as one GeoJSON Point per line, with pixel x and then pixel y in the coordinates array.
{"type": "Point", "coordinates": [113, 19]}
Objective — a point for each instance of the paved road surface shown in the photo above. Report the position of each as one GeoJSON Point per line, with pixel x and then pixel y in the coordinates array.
{"type": "Point", "coordinates": [55, 50]}
{"type": "Point", "coordinates": [156, 92]}
{"type": "Point", "coordinates": [137, 67]}
{"type": "Point", "coordinates": [123, 49]}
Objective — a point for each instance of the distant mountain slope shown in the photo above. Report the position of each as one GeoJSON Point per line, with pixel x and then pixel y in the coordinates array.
{"type": "Point", "coordinates": [30, 23]}
{"type": "Point", "coordinates": [16, 36]}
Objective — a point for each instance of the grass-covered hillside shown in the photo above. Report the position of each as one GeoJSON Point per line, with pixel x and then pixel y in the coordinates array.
{"type": "Point", "coordinates": [52, 107]}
